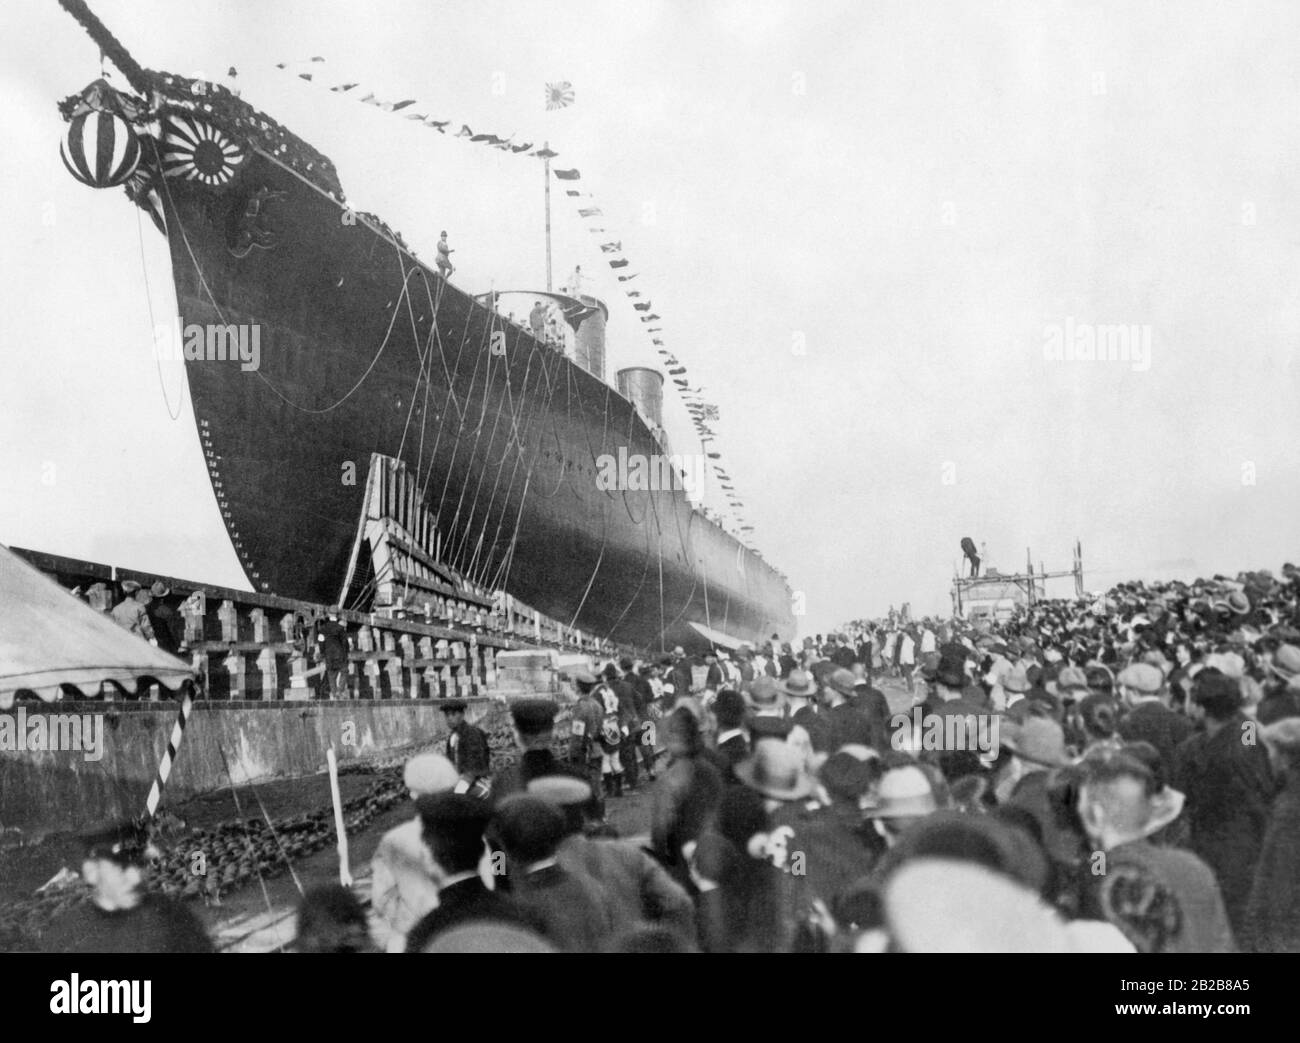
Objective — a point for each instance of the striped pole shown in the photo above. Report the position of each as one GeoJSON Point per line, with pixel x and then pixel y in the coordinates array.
{"type": "Point", "coordinates": [169, 757]}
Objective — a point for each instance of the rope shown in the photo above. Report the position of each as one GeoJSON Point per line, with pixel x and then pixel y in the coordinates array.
{"type": "Point", "coordinates": [153, 325]}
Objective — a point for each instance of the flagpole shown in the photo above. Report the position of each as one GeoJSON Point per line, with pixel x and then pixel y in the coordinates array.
{"type": "Point", "coordinates": [547, 147]}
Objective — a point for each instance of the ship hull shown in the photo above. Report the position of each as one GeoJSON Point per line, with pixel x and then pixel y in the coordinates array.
{"type": "Point", "coordinates": [364, 350]}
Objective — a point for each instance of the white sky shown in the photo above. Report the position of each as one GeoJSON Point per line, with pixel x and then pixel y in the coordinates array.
{"type": "Point", "coordinates": [950, 179]}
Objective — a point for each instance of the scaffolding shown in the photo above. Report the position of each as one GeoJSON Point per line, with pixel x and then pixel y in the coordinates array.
{"type": "Point", "coordinates": [1027, 588]}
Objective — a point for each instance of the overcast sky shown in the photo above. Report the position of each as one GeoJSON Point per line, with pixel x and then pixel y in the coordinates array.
{"type": "Point", "coordinates": [860, 222]}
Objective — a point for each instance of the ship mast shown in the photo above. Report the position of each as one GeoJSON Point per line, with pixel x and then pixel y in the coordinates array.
{"type": "Point", "coordinates": [546, 148]}
{"type": "Point", "coordinates": [108, 44]}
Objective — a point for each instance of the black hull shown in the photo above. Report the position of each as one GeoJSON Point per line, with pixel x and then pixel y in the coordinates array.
{"type": "Point", "coordinates": [506, 441]}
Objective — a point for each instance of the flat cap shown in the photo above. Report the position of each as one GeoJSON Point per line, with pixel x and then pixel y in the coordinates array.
{"type": "Point", "coordinates": [1142, 677]}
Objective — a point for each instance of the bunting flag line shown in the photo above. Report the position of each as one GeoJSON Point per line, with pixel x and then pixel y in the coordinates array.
{"type": "Point", "coordinates": [559, 95]}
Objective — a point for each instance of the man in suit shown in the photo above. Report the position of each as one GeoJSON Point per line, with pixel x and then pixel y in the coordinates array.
{"type": "Point", "coordinates": [467, 749]}
{"type": "Point", "coordinates": [453, 826]}
{"type": "Point", "coordinates": [575, 912]}
{"type": "Point", "coordinates": [1164, 899]}
{"type": "Point", "coordinates": [640, 889]}
{"type": "Point", "coordinates": [1229, 788]}
{"type": "Point", "coordinates": [1149, 719]}
{"type": "Point", "coordinates": [623, 681]}
{"type": "Point", "coordinates": [732, 742]}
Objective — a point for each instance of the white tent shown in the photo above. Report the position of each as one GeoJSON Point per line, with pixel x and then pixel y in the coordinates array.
{"type": "Point", "coordinates": [49, 637]}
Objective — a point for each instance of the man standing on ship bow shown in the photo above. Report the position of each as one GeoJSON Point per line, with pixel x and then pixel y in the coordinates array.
{"type": "Point", "coordinates": [445, 267]}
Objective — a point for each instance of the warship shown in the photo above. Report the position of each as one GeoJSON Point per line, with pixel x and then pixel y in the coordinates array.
{"type": "Point", "coordinates": [372, 430]}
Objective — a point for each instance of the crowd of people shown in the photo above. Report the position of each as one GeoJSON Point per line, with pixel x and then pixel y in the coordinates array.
{"type": "Point", "coordinates": [1110, 774]}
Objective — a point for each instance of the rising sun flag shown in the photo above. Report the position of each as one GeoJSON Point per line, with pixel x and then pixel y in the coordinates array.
{"type": "Point", "coordinates": [559, 95]}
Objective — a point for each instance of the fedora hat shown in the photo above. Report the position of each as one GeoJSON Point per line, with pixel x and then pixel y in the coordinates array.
{"type": "Point", "coordinates": [130, 586]}
{"type": "Point", "coordinates": [1286, 662]}
{"type": "Point", "coordinates": [903, 792]}
{"type": "Point", "coordinates": [775, 769]}
{"type": "Point", "coordinates": [763, 692]}
{"type": "Point", "coordinates": [841, 681]}
{"type": "Point", "coordinates": [799, 684]}
{"type": "Point", "coordinates": [159, 589]}
{"type": "Point", "coordinates": [1039, 740]}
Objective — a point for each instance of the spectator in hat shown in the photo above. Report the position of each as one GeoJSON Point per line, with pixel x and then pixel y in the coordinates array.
{"type": "Point", "coordinates": [1273, 909]}
{"type": "Point", "coordinates": [839, 847]}
{"type": "Point", "coordinates": [331, 919]}
{"type": "Point", "coordinates": [168, 624]}
{"type": "Point", "coordinates": [641, 891]}
{"type": "Point", "coordinates": [467, 749]}
{"type": "Point", "coordinates": [680, 676]}
{"type": "Point", "coordinates": [586, 753]}
{"type": "Point", "coordinates": [1282, 695]}
{"type": "Point", "coordinates": [575, 911]}
{"type": "Point", "coordinates": [844, 722]}
{"type": "Point", "coordinates": [903, 796]}
{"type": "Point", "coordinates": [685, 796]}
{"type": "Point", "coordinates": [404, 875]}
{"type": "Point", "coordinates": [643, 702]}
{"type": "Point", "coordinates": [133, 612]}
{"type": "Point", "coordinates": [533, 721]}
{"type": "Point", "coordinates": [766, 698]}
{"type": "Point", "coordinates": [1148, 717]}
{"type": "Point", "coordinates": [453, 827]}
{"type": "Point", "coordinates": [122, 916]}
{"type": "Point", "coordinates": [1229, 788]}
{"type": "Point", "coordinates": [1164, 899]}
{"type": "Point", "coordinates": [1038, 753]}
{"type": "Point", "coordinates": [809, 729]}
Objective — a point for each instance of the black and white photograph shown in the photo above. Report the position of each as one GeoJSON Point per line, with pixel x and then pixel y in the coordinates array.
{"type": "Point", "coordinates": [652, 476]}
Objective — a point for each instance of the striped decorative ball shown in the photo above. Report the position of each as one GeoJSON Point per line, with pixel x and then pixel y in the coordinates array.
{"type": "Point", "coordinates": [100, 149]}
